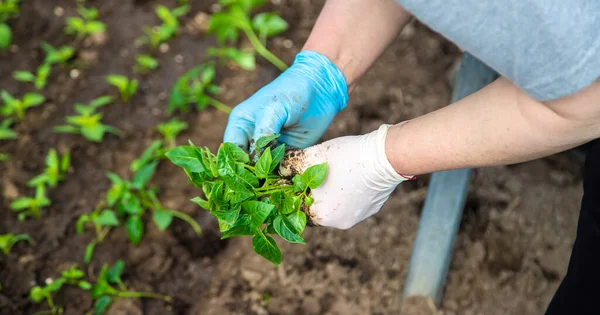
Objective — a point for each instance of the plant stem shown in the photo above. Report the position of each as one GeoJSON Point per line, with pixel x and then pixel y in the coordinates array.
{"type": "Point", "coordinates": [195, 226]}
{"type": "Point", "coordinates": [149, 295]}
{"type": "Point", "coordinates": [218, 105]}
{"type": "Point", "coordinates": [262, 50]}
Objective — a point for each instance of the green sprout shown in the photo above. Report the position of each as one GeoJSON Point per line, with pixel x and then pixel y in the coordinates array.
{"type": "Point", "coordinates": [194, 87]}
{"type": "Point", "coordinates": [17, 107]}
{"type": "Point", "coordinates": [153, 152]}
{"type": "Point", "coordinates": [4, 157]}
{"type": "Point", "coordinates": [109, 286]}
{"type": "Point", "coordinates": [145, 63]}
{"type": "Point", "coordinates": [8, 10]}
{"type": "Point", "coordinates": [72, 276]}
{"type": "Point", "coordinates": [251, 198]}
{"type": "Point", "coordinates": [154, 36]}
{"type": "Point", "coordinates": [126, 86]}
{"type": "Point", "coordinates": [170, 130]}
{"type": "Point", "coordinates": [7, 241]}
{"type": "Point", "coordinates": [39, 79]}
{"type": "Point", "coordinates": [54, 172]}
{"type": "Point", "coordinates": [102, 220]}
{"type": "Point", "coordinates": [242, 59]}
{"type": "Point", "coordinates": [87, 122]}
{"type": "Point", "coordinates": [85, 25]}
{"type": "Point", "coordinates": [31, 206]}
{"type": "Point", "coordinates": [57, 55]}
{"type": "Point", "coordinates": [5, 132]}
{"type": "Point", "coordinates": [235, 17]}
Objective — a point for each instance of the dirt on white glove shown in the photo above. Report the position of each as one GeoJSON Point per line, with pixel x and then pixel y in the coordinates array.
{"type": "Point", "coordinates": [359, 178]}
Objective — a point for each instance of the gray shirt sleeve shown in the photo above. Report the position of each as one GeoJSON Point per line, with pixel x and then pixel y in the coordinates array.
{"type": "Point", "coordinates": [549, 48]}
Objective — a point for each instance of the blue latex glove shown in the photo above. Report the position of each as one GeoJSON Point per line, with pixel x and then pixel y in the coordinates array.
{"type": "Point", "coordinates": [300, 104]}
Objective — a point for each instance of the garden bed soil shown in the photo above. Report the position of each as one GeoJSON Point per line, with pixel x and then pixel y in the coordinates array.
{"type": "Point", "coordinates": [514, 242]}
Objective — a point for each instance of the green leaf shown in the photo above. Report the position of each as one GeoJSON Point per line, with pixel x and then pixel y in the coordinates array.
{"type": "Point", "coordinates": [101, 305]}
{"type": "Point", "coordinates": [226, 214]}
{"type": "Point", "coordinates": [114, 274]}
{"type": "Point", "coordinates": [149, 154]}
{"type": "Point", "coordinates": [5, 35]}
{"type": "Point", "coordinates": [162, 219]}
{"type": "Point", "coordinates": [277, 156]}
{"type": "Point", "coordinates": [291, 203]}
{"type": "Point", "coordinates": [258, 211]}
{"type": "Point", "coordinates": [314, 176]}
{"type": "Point", "coordinates": [240, 230]}
{"type": "Point", "coordinates": [263, 166]}
{"type": "Point", "coordinates": [101, 101]}
{"type": "Point", "coordinates": [265, 246]}
{"type": "Point", "coordinates": [264, 141]}
{"type": "Point", "coordinates": [235, 192]}
{"type": "Point", "coordinates": [299, 184]}
{"type": "Point", "coordinates": [33, 99]}
{"type": "Point", "coordinates": [298, 220]}
{"type": "Point", "coordinates": [238, 154]}
{"type": "Point", "coordinates": [287, 230]}
{"type": "Point", "coordinates": [143, 175]}
{"type": "Point", "coordinates": [84, 285]}
{"type": "Point", "coordinates": [81, 221]}
{"type": "Point", "coordinates": [22, 203]}
{"type": "Point", "coordinates": [308, 200]}
{"type": "Point", "coordinates": [135, 228]}
{"type": "Point", "coordinates": [107, 218]}
{"type": "Point", "coordinates": [269, 24]}
{"type": "Point", "coordinates": [37, 294]}
{"type": "Point", "coordinates": [186, 158]}
{"type": "Point", "coordinates": [201, 202]}
{"type": "Point", "coordinates": [89, 252]}
{"type": "Point", "coordinates": [23, 76]}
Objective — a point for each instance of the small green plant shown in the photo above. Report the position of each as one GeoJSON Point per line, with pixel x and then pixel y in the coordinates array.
{"type": "Point", "coordinates": [55, 170]}
{"type": "Point", "coordinates": [57, 55]}
{"type": "Point", "coordinates": [72, 276]}
{"type": "Point", "coordinates": [87, 122]}
{"type": "Point", "coordinates": [242, 59]}
{"type": "Point", "coordinates": [31, 206]}
{"type": "Point", "coordinates": [39, 79]}
{"type": "Point", "coordinates": [85, 25]}
{"type": "Point", "coordinates": [251, 198]}
{"type": "Point", "coordinates": [4, 157]}
{"type": "Point", "coordinates": [170, 130]}
{"type": "Point", "coordinates": [153, 152]}
{"type": "Point", "coordinates": [5, 132]}
{"type": "Point", "coordinates": [8, 10]}
{"type": "Point", "coordinates": [7, 241]}
{"type": "Point", "coordinates": [195, 87]}
{"type": "Point", "coordinates": [154, 36]}
{"type": "Point", "coordinates": [103, 220]}
{"type": "Point", "coordinates": [145, 63]}
{"type": "Point", "coordinates": [109, 286]}
{"type": "Point", "coordinates": [236, 17]}
{"type": "Point", "coordinates": [17, 107]}
{"type": "Point", "coordinates": [126, 86]}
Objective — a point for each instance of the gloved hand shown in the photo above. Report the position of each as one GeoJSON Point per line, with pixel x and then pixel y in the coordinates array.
{"type": "Point", "coordinates": [299, 104]}
{"type": "Point", "coordinates": [359, 178]}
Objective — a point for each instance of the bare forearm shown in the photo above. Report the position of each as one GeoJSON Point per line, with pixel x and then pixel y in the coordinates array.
{"type": "Point", "coordinates": [353, 33]}
{"type": "Point", "coordinates": [497, 125]}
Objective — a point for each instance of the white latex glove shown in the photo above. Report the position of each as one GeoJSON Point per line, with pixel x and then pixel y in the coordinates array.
{"type": "Point", "coordinates": [359, 178]}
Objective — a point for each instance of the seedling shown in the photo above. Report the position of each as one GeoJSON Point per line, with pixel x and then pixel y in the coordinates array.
{"type": "Point", "coordinates": [251, 198]}
{"type": "Point", "coordinates": [170, 130]}
{"type": "Point", "coordinates": [109, 286]}
{"type": "Point", "coordinates": [195, 86]}
{"type": "Point", "coordinates": [152, 153]}
{"type": "Point", "coordinates": [235, 17]}
{"type": "Point", "coordinates": [154, 36]}
{"type": "Point", "coordinates": [5, 132]}
{"type": "Point", "coordinates": [5, 36]}
{"type": "Point", "coordinates": [4, 157]}
{"type": "Point", "coordinates": [57, 55]}
{"type": "Point", "coordinates": [7, 241]}
{"type": "Point", "coordinates": [145, 63]}
{"type": "Point", "coordinates": [87, 122]}
{"type": "Point", "coordinates": [39, 79]}
{"type": "Point", "coordinates": [72, 276]}
{"type": "Point", "coordinates": [126, 86]}
{"type": "Point", "coordinates": [242, 59]}
{"type": "Point", "coordinates": [85, 25]}
{"type": "Point", "coordinates": [103, 220]}
{"type": "Point", "coordinates": [31, 206]}
{"type": "Point", "coordinates": [8, 9]}
{"type": "Point", "coordinates": [55, 170]}
{"type": "Point", "coordinates": [17, 107]}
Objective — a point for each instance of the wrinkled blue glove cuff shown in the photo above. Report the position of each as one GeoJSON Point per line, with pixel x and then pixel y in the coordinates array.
{"type": "Point", "coordinates": [328, 78]}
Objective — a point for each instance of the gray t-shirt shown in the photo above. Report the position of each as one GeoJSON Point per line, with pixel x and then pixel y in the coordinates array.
{"type": "Point", "coordinates": [549, 48]}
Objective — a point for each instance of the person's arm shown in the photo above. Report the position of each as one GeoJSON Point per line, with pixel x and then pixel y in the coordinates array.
{"type": "Point", "coordinates": [354, 33]}
{"type": "Point", "coordinates": [498, 125]}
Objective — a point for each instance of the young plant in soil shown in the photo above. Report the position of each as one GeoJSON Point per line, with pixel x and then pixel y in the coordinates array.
{"type": "Point", "coordinates": [85, 25]}
{"type": "Point", "coordinates": [236, 17]}
{"type": "Point", "coordinates": [55, 170]}
{"type": "Point", "coordinates": [170, 130]}
{"type": "Point", "coordinates": [196, 87]}
{"type": "Point", "coordinates": [87, 123]}
{"type": "Point", "coordinates": [251, 198]}
{"type": "Point", "coordinates": [39, 79]}
{"type": "Point", "coordinates": [5, 132]}
{"type": "Point", "coordinates": [145, 64]}
{"type": "Point", "coordinates": [31, 206]}
{"type": "Point", "coordinates": [242, 59]}
{"type": "Point", "coordinates": [109, 286]}
{"type": "Point", "coordinates": [72, 276]}
{"type": "Point", "coordinates": [7, 241]}
{"type": "Point", "coordinates": [8, 10]}
{"type": "Point", "coordinates": [127, 87]}
{"type": "Point", "coordinates": [154, 36]}
{"type": "Point", "coordinates": [17, 107]}
{"type": "Point", "coordinates": [54, 55]}
{"type": "Point", "coordinates": [102, 220]}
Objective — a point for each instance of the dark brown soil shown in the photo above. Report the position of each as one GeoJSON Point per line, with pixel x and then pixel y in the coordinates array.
{"type": "Point", "coordinates": [514, 242]}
